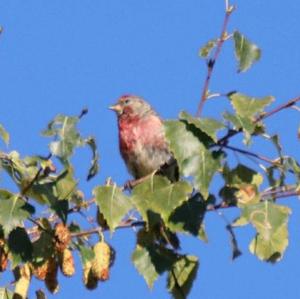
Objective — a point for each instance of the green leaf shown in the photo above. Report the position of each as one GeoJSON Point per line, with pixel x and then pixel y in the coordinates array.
{"type": "Point", "coordinates": [241, 123]}
{"type": "Point", "coordinates": [114, 205]}
{"type": "Point", "coordinates": [188, 218]}
{"type": "Point", "coordinates": [64, 128]}
{"type": "Point", "coordinates": [87, 254]}
{"type": "Point", "coordinates": [20, 246]}
{"type": "Point", "coordinates": [246, 106]}
{"type": "Point", "coordinates": [52, 188]}
{"type": "Point", "coordinates": [151, 259]}
{"type": "Point", "coordinates": [270, 221]}
{"type": "Point", "coordinates": [246, 52]}
{"type": "Point", "coordinates": [157, 194]}
{"type": "Point", "coordinates": [241, 174]}
{"type": "Point", "coordinates": [18, 170]}
{"type": "Point", "coordinates": [241, 185]}
{"type": "Point", "coordinates": [207, 48]}
{"type": "Point", "coordinates": [182, 276]}
{"type": "Point", "coordinates": [4, 135]}
{"type": "Point", "coordinates": [192, 156]}
{"type": "Point", "coordinates": [143, 263]}
{"type": "Point", "coordinates": [94, 169]}
{"type": "Point", "coordinates": [67, 138]}
{"type": "Point", "coordinates": [13, 212]}
{"type": "Point", "coordinates": [33, 183]}
{"type": "Point", "coordinates": [43, 247]}
{"type": "Point", "coordinates": [209, 126]}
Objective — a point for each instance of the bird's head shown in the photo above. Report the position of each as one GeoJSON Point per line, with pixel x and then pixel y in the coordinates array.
{"type": "Point", "coordinates": [130, 105]}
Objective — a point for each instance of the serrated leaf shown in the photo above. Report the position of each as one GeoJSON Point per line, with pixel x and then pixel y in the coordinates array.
{"type": "Point", "coordinates": [51, 192]}
{"type": "Point", "coordinates": [4, 135]}
{"type": "Point", "coordinates": [241, 123]}
{"type": "Point", "coordinates": [207, 48]}
{"type": "Point", "coordinates": [114, 205]}
{"type": "Point", "coordinates": [192, 156]}
{"type": "Point", "coordinates": [209, 126]}
{"type": "Point", "coordinates": [241, 174]}
{"type": "Point", "coordinates": [241, 185]}
{"type": "Point", "coordinates": [32, 183]}
{"type": "Point", "coordinates": [64, 128]}
{"type": "Point", "coordinates": [20, 246]}
{"type": "Point", "coordinates": [246, 106]}
{"type": "Point", "coordinates": [157, 194]}
{"type": "Point", "coordinates": [270, 221]}
{"type": "Point", "coordinates": [18, 170]}
{"type": "Point", "coordinates": [188, 218]}
{"type": "Point", "coordinates": [43, 247]}
{"type": "Point", "coordinates": [94, 169]}
{"type": "Point", "coordinates": [151, 259]}
{"type": "Point", "coordinates": [246, 52]}
{"type": "Point", "coordinates": [143, 263]}
{"type": "Point", "coordinates": [182, 276]}
{"type": "Point", "coordinates": [13, 212]}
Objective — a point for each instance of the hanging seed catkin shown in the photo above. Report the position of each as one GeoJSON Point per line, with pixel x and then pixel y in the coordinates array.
{"type": "Point", "coordinates": [62, 237]}
{"type": "Point", "coordinates": [40, 271]}
{"type": "Point", "coordinates": [89, 280]}
{"type": "Point", "coordinates": [3, 256]}
{"type": "Point", "coordinates": [66, 263]}
{"type": "Point", "coordinates": [51, 281]}
{"type": "Point", "coordinates": [101, 262]}
{"type": "Point", "coordinates": [22, 284]}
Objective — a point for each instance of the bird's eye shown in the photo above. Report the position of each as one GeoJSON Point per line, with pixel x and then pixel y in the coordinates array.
{"type": "Point", "coordinates": [127, 101]}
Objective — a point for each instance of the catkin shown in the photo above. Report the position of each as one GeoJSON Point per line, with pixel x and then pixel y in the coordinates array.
{"type": "Point", "coordinates": [62, 237]}
{"type": "Point", "coordinates": [51, 281]}
{"type": "Point", "coordinates": [101, 262]}
{"type": "Point", "coordinates": [89, 280]}
{"type": "Point", "coordinates": [67, 265]}
{"type": "Point", "coordinates": [22, 284]}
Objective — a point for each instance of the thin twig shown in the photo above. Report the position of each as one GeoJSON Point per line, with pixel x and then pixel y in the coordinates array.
{"type": "Point", "coordinates": [248, 153]}
{"type": "Point", "coordinates": [288, 104]}
{"type": "Point", "coordinates": [130, 223]}
{"type": "Point", "coordinates": [36, 177]}
{"type": "Point", "coordinates": [131, 184]}
{"type": "Point", "coordinates": [212, 61]}
{"type": "Point", "coordinates": [281, 107]}
{"type": "Point", "coordinates": [125, 224]}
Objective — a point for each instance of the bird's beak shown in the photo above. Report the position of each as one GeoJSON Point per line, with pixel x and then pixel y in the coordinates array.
{"type": "Point", "coordinates": [117, 108]}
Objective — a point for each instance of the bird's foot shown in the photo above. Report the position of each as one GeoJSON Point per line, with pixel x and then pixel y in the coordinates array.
{"type": "Point", "coordinates": [129, 185]}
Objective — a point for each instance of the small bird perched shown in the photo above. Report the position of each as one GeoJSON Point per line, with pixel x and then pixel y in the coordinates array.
{"type": "Point", "coordinates": [142, 142]}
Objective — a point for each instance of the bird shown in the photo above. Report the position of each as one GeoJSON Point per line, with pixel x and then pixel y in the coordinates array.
{"type": "Point", "coordinates": [142, 142]}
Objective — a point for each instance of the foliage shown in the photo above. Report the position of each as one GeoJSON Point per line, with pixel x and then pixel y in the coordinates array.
{"type": "Point", "coordinates": [38, 236]}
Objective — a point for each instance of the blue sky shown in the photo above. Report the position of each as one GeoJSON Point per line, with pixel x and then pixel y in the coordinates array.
{"type": "Point", "coordinates": [60, 56]}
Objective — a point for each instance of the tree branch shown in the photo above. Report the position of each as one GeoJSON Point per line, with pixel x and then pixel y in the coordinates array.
{"type": "Point", "coordinates": [248, 153]}
{"type": "Point", "coordinates": [288, 104]}
{"type": "Point", "coordinates": [212, 61]}
{"type": "Point", "coordinates": [126, 224]}
{"type": "Point", "coordinates": [261, 117]}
